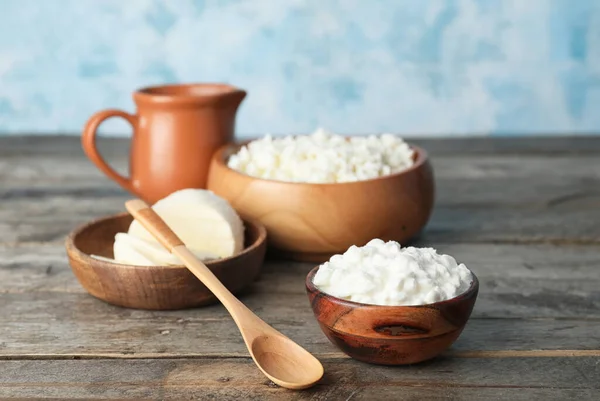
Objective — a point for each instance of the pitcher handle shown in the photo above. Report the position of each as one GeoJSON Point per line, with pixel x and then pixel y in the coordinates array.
{"type": "Point", "coordinates": [88, 141]}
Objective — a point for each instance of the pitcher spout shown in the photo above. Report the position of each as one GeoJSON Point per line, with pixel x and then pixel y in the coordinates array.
{"type": "Point", "coordinates": [235, 98]}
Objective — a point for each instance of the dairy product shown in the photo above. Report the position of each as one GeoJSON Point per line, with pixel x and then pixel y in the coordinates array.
{"type": "Point", "coordinates": [206, 223]}
{"type": "Point", "coordinates": [129, 247]}
{"type": "Point", "coordinates": [383, 273]}
{"type": "Point", "coordinates": [124, 253]}
{"type": "Point", "coordinates": [323, 157]}
{"type": "Point", "coordinates": [103, 259]}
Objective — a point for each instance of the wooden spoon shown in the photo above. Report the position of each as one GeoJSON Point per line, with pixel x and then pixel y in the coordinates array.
{"type": "Point", "coordinates": [279, 358]}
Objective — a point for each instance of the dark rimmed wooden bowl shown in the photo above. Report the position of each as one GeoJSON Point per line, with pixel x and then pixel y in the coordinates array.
{"type": "Point", "coordinates": [391, 335]}
{"type": "Point", "coordinates": [155, 287]}
{"type": "Point", "coordinates": [311, 222]}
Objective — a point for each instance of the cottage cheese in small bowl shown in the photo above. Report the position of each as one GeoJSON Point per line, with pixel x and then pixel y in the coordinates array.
{"type": "Point", "coordinates": [323, 157]}
{"type": "Point", "coordinates": [383, 273]}
{"type": "Point", "coordinates": [388, 305]}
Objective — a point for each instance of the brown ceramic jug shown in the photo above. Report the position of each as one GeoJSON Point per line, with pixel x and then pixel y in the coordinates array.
{"type": "Point", "coordinates": [176, 130]}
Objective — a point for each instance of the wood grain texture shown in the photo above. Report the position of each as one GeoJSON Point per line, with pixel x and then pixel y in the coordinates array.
{"type": "Point", "coordinates": [31, 218]}
{"type": "Point", "coordinates": [52, 324]}
{"type": "Point", "coordinates": [391, 335]}
{"type": "Point", "coordinates": [235, 379]}
{"type": "Point", "coordinates": [516, 280]}
{"type": "Point", "coordinates": [31, 176]}
{"type": "Point", "coordinates": [33, 222]}
{"type": "Point", "coordinates": [498, 264]}
{"type": "Point", "coordinates": [522, 213]}
{"type": "Point", "coordinates": [60, 145]}
{"type": "Point", "coordinates": [531, 197]}
{"type": "Point", "coordinates": [311, 222]}
{"type": "Point", "coordinates": [157, 287]}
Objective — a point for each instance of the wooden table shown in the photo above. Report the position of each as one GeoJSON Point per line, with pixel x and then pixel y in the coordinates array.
{"type": "Point", "coordinates": [524, 214]}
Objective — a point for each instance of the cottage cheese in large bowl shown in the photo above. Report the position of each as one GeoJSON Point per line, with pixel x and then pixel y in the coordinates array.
{"type": "Point", "coordinates": [323, 157]}
{"type": "Point", "coordinates": [318, 194]}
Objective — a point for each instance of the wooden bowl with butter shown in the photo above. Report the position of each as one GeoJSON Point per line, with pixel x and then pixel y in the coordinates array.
{"type": "Point", "coordinates": [391, 335]}
{"type": "Point", "coordinates": [156, 287]}
{"type": "Point", "coordinates": [311, 222]}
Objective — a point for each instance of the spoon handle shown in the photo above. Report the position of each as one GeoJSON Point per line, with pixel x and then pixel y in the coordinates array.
{"type": "Point", "coordinates": [153, 223]}
{"type": "Point", "coordinates": [163, 233]}
{"type": "Point", "coordinates": [278, 357]}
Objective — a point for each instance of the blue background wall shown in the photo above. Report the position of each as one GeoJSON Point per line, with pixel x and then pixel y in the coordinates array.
{"type": "Point", "coordinates": [427, 67]}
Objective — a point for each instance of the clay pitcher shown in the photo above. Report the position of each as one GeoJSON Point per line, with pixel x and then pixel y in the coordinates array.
{"type": "Point", "coordinates": [176, 129]}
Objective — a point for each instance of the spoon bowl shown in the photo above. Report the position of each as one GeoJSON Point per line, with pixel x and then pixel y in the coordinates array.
{"type": "Point", "coordinates": [285, 362]}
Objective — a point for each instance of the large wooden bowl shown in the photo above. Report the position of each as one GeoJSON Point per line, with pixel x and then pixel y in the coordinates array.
{"type": "Point", "coordinates": [311, 222]}
{"type": "Point", "coordinates": [155, 287]}
{"type": "Point", "coordinates": [391, 335]}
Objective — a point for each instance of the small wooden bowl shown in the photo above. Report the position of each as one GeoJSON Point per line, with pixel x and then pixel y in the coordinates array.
{"type": "Point", "coordinates": [391, 335]}
{"type": "Point", "coordinates": [311, 222]}
{"type": "Point", "coordinates": [155, 287]}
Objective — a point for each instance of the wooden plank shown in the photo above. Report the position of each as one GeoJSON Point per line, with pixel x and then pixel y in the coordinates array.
{"type": "Point", "coordinates": [506, 198]}
{"type": "Point", "coordinates": [537, 145]}
{"type": "Point", "coordinates": [516, 280]}
{"type": "Point", "coordinates": [548, 193]}
{"type": "Point", "coordinates": [24, 174]}
{"type": "Point", "coordinates": [538, 304]}
{"type": "Point", "coordinates": [532, 297]}
{"type": "Point", "coordinates": [478, 183]}
{"type": "Point", "coordinates": [44, 267]}
{"type": "Point", "coordinates": [234, 379]}
{"type": "Point", "coordinates": [70, 144]}
{"type": "Point", "coordinates": [50, 325]}
{"type": "Point", "coordinates": [570, 220]}
{"type": "Point", "coordinates": [58, 145]}
{"type": "Point", "coordinates": [520, 225]}
{"type": "Point", "coordinates": [74, 168]}
{"type": "Point", "coordinates": [47, 171]}
{"type": "Point", "coordinates": [39, 170]}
